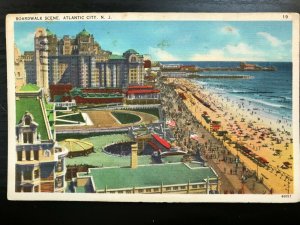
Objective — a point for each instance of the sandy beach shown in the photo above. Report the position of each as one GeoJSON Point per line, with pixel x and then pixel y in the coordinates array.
{"type": "Point", "coordinates": [267, 138]}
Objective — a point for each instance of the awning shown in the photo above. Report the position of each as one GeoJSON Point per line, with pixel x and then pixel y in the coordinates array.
{"type": "Point", "coordinates": [162, 141]}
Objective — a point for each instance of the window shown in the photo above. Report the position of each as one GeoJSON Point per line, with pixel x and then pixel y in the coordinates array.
{"type": "Point", "coordinates": [27, 189]}
{"type": "Point", "coordinates": [194, 186]}
{"type": "Point", "coordinates": [18, 176]}
{"type": "Point", "coordinates": [59, 182]}
{"type": "Point", "coordinates": [168, 188]}
{"type": "Point", "coordinates": [120, 192]}
{"type": "Point", "coordinates": [27, 120]}
{"type": "Point", "coordinates": [18, 189]}
{"type": "Point", "coordinates": [28, 137]}
{"type": "Point", "coordinates": [36, 154]}
{"type": "Point", "coordinates": [175, 188]}
{"type": "Point", "coordinates": [25, 138]}
{"type": "Point", "coordinates": [148, 190]}
{"type": "Point", "coordinates": [36, 173]}
{"type": "Point", "coordinates": [128, 192]}
{"type": "Point", "coordinates": [156, 189]}
{"type": "Point", "coordinates": [27, 153]}
{"type": "Point", "coordinates": [140, 190]}
{"type": "Point", "coordinates": [27, 175]}
{"type": "Point", "coordinates": [36, 188]}
{"type": "Point", "coordinates": [19, 155]}
{"type": "Point", "coordinates": [182, 187]}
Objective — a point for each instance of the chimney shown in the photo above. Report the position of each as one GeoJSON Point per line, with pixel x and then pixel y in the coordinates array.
{"type": "Point", "coordinates": [134, 157]}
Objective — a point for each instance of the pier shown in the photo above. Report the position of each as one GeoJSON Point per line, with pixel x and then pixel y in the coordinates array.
{"type": "Point", "coordinates": [220, 76]}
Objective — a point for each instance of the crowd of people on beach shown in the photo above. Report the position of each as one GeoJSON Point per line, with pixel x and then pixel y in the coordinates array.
{"type": "Point", "coordinates": [267, 137]}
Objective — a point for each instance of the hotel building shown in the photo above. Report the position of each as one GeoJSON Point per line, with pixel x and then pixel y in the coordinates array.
{"type": "Point", "coordinates": [20, 73]}
{"type": "Point", "coordinates": [40, 161]}
{"type": "Point", "coordinates": [81, 62]}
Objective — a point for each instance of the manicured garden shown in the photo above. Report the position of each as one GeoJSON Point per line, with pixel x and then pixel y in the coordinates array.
{"type": "Point", "coordinates": [152, 111]}
{"type": "Point", "coordinates": [125, 118]}
{"type": "Point", "coordinates": [74, 117]}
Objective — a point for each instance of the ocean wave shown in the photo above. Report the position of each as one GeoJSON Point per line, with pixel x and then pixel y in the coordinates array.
{"type": "Point", "coordinates": [266, 103]}
{"type": "Point", "coordinates": [250, 92]}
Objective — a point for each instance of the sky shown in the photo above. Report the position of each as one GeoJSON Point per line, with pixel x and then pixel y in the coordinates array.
{"type": "Point", "coordinates": [178, 40]}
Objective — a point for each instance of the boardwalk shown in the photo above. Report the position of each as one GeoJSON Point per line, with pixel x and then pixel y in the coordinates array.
{"type": "Point", "coordinates": [228, 167]}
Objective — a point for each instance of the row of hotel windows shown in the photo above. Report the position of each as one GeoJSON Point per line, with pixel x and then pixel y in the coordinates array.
{"type": "Point", "coordinates": [27, 188]}
{"type": "Point", "coordinates": [59, 183]}
{"type": "Point", "coordinates": [149, 190]}
{"type": "Point", "coordinates": [28, 176]}
{"type": "Point", "coordinates": [47, 153]}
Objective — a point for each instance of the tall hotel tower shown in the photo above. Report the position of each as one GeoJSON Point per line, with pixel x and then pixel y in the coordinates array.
{"type": "Point", "coordinates": [41, 59]}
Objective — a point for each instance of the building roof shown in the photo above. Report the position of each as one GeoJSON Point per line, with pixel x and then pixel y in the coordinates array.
{"type": "Point", "coordinates": [142, 91]}
{"type": "Point", "coordinates": [49, 32]}
{"type": "Point", "coordinates": [140, 87]}
{"type": "Point", "coordinates": [162, 141]}
{"type": "Point", "coordinates": [30, 87]}
{"type": "Point", "coordinates": [130, 51]}
{"type": "Point", "coordinates": [148, 176]}
{"type": "Point", "coordinates": [76, 145]}
{"type": "Point", "coordinates": [33, 106]}
{"type": "Point", "coordinates": [116, 57]}
{"type": "Point", "coordinates": [78, 92]}
{"type": "Point", "coordinates": [84, 33]}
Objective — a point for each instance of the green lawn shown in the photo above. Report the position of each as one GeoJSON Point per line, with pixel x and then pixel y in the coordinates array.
{"type": "Point", "coordinates": [48, 106]}
{"type": "Point", "coordinates": [99, 158]}
{"type": "Point", "coordinates": [61, 137]}
{"type": "Point", "coordinates": [125, 118]}
{"type": "Point", "coordinates": [30, 87]}
{"type": "Point", "coordinates": [153, 111]}
{"type": "Point", "coordinates": [75, 117]}
{"type": "Point", "coordinates": [32, 105]}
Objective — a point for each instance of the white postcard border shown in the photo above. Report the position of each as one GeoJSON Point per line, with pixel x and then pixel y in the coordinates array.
{"type": "Point", "coordinates": [12, 195]}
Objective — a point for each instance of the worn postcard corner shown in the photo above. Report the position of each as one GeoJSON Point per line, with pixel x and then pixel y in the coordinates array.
{"type": "Point", "coordinates": [153, 107]}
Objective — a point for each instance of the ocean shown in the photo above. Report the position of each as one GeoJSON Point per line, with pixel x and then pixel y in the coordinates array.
{"type": "Point", "coordinates": [270, 92]}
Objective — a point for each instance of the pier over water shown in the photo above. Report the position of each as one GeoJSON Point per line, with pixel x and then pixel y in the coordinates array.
{"type": "Point", "coordinates": [220, 76]}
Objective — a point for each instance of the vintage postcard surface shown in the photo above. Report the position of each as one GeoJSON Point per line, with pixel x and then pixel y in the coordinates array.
{"type": "Point", "coordinates": [157, 107]}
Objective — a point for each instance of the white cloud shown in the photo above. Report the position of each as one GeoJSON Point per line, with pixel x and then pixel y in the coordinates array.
{"type": "Point", "coordinates": [239, 52]}
{"type": "Point", "coordinates": [274, 41]}
{"type": "Point", "coordinates": [212, 55]}
{"type": "Point", "coordinates": [242, 49]}
{"type": "Point", "coordinates": [230, 30]}
{"type": "Point", "coordinates": [26, 42]}
{"type": "Point", "coordinates": [161, 55]}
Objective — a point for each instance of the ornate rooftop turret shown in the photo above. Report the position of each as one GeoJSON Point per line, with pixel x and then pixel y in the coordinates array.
{"type": "Point", "coordinates": [130, 51]}
{"type": "Point", "coordinates": [84, 33]}
{"type": "Point", "coordinates": [49, 32]}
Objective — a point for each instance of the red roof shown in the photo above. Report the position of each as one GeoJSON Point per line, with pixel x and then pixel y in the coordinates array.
{"type": "Point", "coordinates": [142, 91]}
{"type": "Point", "coordinates": [162, 141]}
{"type": "Point", "coordinates": [140, 87]}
